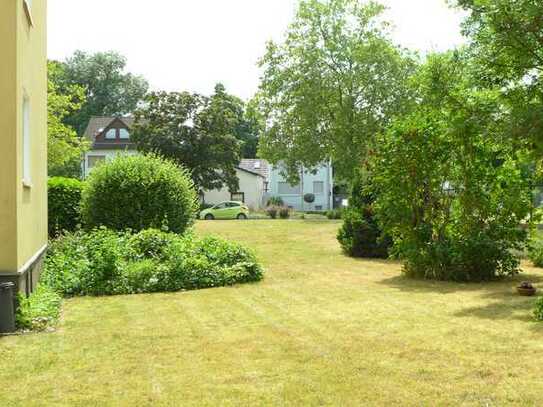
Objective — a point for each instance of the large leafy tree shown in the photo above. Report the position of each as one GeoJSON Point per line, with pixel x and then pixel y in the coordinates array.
{"type": "Point", "coordinates": [450, 189]}
{"type": "Point", "coordinates": [507, 40]}
{"type": "Point", "coordinates": [109, 90]}
{"type": "Point", "coordinates": [249, 129]}
{"type": "Point", "coordinates": [195, 131]}
{"type": "Point", "coordinates": [246, 123]}
{"type": "Point", "coordinates": [331, 86]}
{"type": "Point", "coordinates": [64, 147]}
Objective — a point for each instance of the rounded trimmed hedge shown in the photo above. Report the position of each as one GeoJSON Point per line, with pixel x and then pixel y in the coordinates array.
{"type": "Point", "coordinates": [64, 196]}
{"type": "Point", "coordinates": [139, 192]}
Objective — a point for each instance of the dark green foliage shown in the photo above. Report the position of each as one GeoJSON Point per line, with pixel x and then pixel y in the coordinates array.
{"type": "Point", "coordinates": [40, 310]}
{"type": "Point", "coordinates": [309, 198]}
{"type": "Point", "coordinates": [275, 201]}
{"type": "Point", "coordinates": [334, 214]}
{"type": "Point", "coordinates": [64, 196]}
{"type": "Point", "coordinates": [360, 234]}
{"type": "Point", "coordinates": [104, 262]}
{"type": "Point", "coordinates": [194, 131]}
{"type": "Point", "coordinates": [109, 89]}
{"type": "Point", "coordinates": [535, 253]}
{"type": "Point", "coordinates": [538, 311]}
{"type": "Point", "coordinates": [272, 211]}
{"type": "Point", "coordinates": [451, 191]}
{"type": "Point", "coordinates": [284, 212]}
{"type": "Point", "coordinates": [139, 192]}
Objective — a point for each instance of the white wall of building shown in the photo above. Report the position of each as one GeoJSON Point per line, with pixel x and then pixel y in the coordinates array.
{"type": "Point", "coordinates": [251, 185]}
{"type": "Point", "coordinates": [108, 155]}
{"type": "Point", "coordinates": [319, 182]}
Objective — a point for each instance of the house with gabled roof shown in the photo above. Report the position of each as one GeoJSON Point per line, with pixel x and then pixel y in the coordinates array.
{"type": "Point", "coordinates": [108, 137]}
{"type": "Point", "coordinates": [253, 183]}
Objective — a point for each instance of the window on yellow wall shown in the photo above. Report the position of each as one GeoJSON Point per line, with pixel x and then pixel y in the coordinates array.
{"type": "Point", "coordinates": [28, 6]}
{"type": "Point", "coordinates": [26, 141]}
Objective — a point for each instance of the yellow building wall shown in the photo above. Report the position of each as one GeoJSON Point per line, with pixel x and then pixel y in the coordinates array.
{"type": "Point", "coordinates": [8, 131]}
{"type": "Point", "coordinates": [23, 71]}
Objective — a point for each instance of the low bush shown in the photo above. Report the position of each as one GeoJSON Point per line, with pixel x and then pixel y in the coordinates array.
{"type": "Point", "coordinates": [309, 198]}
{"type": "Point", "coordinates": [275, 201]}
{"type": "Point", "coordinates": [105, 262]}
{"type": "Point", "coordinates": [272, 211]}
{"type": "Point", "coordinates": [139, 192]}
{"type": "Point", "coordinates": [64, 206]}
{"type": "Point", "coordinates": [284, 212]}
{"type": "Point", "coordinates": [535, 253]}
{"type": "Point", "coordinates": [360, 234]}
{"type": "Point", "coordinates": [40, 310]}
{"type": "Point", "coordinates": [334, 214]}
{"type": "Point", "coordinates": [538, 311]}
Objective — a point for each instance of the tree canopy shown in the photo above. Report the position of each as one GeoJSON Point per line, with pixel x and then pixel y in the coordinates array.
{"type": "Point", "coordinates": [64, 147]}
{"type": "Point", "coordinates": [331, 86]}
{"type": "Point", "coordinates": [195, 131]}
{"type": "Point", "coordinates": [507, 41]}
{"type": "Point", "coordinates": [450, 189]}
{"type": "Point", "coordinates": [109, 90]}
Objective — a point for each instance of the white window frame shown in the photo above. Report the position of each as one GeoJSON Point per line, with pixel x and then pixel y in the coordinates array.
{"type": "Point", "coordinates": [26, 143]}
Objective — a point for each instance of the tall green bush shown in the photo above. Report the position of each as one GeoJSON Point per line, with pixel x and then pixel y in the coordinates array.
{"type": "Point", "coordinates": [360, 234]}
{"type": "Point", "coordinates": [139, 192]}
{"type": "Point", "coordinates": [64, 206]}
{"type": "Point", "coordinates": [452, 187]}
{"type": "Point", "coordinates": [453, 202]}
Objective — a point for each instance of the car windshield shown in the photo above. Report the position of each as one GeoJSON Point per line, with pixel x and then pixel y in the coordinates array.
{"type": "Point", "coordinates": [232, 204]}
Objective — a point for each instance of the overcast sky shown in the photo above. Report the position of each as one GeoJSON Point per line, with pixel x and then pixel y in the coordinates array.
{"type": "Point", "coordinates": [192, 44]}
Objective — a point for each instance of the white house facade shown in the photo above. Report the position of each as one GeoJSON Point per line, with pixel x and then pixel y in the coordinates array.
{"type": "Point", "coordinates": [315, 183]}
{"type": "Point", "coordinates": [251, 190]}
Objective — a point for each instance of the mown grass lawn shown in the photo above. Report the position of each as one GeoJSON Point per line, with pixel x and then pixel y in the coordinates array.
{"type": "Point", "coordinates": [321, 329]}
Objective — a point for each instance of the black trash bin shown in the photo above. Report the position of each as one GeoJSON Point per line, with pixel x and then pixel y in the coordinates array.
{"type": "Point", "coordinates": [7, 310]}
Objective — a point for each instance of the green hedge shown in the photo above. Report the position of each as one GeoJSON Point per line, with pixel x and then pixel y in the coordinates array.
{"type": "Point", "coordinates": [64, 196]}
{"type": "Point", "coordinates": [360, 234]}
{"type": "Point", "coordinates": [106, 262]}
{"type": "Point", "coordinates": [139, 192]}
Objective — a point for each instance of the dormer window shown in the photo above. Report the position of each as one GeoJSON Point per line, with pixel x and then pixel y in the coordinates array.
{"type": "Point", "coordinates": [124, 134]}
{"type": "Point", "coordinates": [111, 134]}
